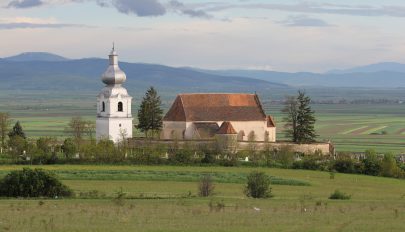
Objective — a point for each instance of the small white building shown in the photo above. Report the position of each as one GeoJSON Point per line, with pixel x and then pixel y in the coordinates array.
{"type": "Point", "coordinates": [114, 117]}
{"type": "Point", "coordinates": [200, 116]}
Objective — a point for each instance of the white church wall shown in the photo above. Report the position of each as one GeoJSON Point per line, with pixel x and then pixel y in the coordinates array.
{"type": "Point", "coordinates": [258, 127]}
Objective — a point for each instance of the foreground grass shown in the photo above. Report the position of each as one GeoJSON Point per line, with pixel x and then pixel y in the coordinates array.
{"type": "Point", "coordinates": [377, 204]}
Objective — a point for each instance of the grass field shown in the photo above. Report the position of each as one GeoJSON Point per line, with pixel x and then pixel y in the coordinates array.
{"type": "Point", "coordinates": [352, 127]}
{"type": "Point", "coordinates": [169, 203]}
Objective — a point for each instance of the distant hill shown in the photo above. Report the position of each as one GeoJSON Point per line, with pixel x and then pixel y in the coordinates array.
{"type": "Point", "coordinates": [380, 79]}
{"type": "Point", "coordinates": [36, 56]}
{"type": "Point", "coordinates": [378, 67]}
{"type": "Point", "coordinates": [84, 74]}
{"type": "Point", "coordinates": [44, 71]}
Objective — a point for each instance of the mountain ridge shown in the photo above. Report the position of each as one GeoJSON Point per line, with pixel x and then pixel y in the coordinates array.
{"type": "Point", "coordinates": [36, 56]}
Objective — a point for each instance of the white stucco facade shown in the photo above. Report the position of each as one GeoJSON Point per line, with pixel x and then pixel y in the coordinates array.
{"type": "Point", "coordinates": [186, 130]}
{"type": "Point", "coordinates": [114, 113]}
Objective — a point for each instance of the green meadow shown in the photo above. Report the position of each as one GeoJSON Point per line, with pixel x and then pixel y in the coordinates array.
{"type": "Point", "coordinates": [164, 198]}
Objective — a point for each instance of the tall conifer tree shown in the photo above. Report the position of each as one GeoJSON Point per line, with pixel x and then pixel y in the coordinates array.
{"type": "Point", "coordinates": [299, 119]}
{"type": "Point", "coordinates": [150, 114]}
{"type": "Point", "coordinates": [17, 131]}
{"type": "Point", "coordinates": [305, 119]}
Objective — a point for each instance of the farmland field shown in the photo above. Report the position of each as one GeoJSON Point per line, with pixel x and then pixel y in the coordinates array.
{"type": "Point", "coordinates": [164, 198]}
{"type": "Point", "coordinates": [351, 127]}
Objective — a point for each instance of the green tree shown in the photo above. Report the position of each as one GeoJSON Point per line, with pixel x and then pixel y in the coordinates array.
{"type": "Point", "coordinates": [372, 165]}
{"type": "Point", "coordinates": [390, 168]}
{"type": "Point", "coordinates": [150, 113]}
{"type": "Point", "coordinates": [4, 124]}
{"type": "Point", "coordinates": [17, 131]}
{"type": "Point", "coordinates": [305, 120]}
{"type": "Point", "coordinates": [79, 128]}
{"type": "Point", "coordinates": [290, 111]}
{"type": "Point", "coordinates": [69, 148]}
{"type": "Point", "coordinates": [18, 145]}
{"type": "Point", "coordinates": [299, 119]}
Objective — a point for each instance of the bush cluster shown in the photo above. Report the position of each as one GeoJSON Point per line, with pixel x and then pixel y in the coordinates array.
{"type": "Point", "coordinates": [149, 153]}
{"type": "Point", "coordinates": [32, 183]}
{"type": "Point", "coordinates": [338, 195]}
{"type": "Point", "coordinates": [258, 185]}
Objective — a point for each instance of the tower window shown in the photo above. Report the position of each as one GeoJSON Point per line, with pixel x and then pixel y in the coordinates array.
{"type": "Point", "coordinates": [120, 107]}
{"type": "Point", "coordinates": [102, 107]}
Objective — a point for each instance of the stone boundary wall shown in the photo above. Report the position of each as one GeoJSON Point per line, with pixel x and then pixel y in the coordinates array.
{"type": "Point", "coordinates": [324, 148]}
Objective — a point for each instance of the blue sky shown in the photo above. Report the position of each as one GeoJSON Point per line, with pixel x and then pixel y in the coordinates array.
{"type": "Point", "coordinates": [288, 35]}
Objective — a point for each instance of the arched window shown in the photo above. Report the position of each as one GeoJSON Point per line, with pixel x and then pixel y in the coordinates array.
{"type": "Point", "coordinates": [120, 107]}
{"type": "Point", "coordinates": [102, 107]}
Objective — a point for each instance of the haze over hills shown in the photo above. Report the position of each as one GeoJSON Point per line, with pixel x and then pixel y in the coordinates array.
{"type": "Point", "coordinates": [378, 67]}
{"type": "Point", "coordinates": [381, 75]}
{"type": "Point", "coordinates": [32, 73]}
{"type": "Point", "coordinates": [49, 71]}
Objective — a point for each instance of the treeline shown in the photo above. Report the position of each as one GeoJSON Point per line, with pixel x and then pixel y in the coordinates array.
{"type": "Point", "coordinates": [47, 151]}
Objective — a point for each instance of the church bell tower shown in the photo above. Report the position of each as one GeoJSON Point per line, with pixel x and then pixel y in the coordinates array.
{"type": "Point", "coordinates": [114, 117]}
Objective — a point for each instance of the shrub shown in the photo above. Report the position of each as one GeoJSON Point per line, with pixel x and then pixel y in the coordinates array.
{"type": "Point", "coordinates": [372, 166]}
{"type": "Point", "coordinates": [206, 186]}
{"type": "Point", "coordinates": [344, 165]}
{"type": "Point", "coordinates": [258, 185]}
{"type": "Point", "coordinates": [338, 195]}
{"type": "Point", "coordinates": [390, 167]}
{"type": "Point", "coordinates": [32, 183]}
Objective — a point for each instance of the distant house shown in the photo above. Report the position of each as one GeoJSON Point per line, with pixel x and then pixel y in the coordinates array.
{"type": "Point", "coordinates": [203, 116]}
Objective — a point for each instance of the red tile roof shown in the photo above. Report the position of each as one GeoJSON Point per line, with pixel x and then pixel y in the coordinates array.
{"type": "Point", "coordinates": [216, 107]}
{"type": "Point", "coordinates": [226, 129]}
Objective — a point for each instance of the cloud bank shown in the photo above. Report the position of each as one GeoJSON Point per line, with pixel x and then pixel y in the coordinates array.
{"type": "Point", "coordinates": [24, 3]}
{"type": "Point", "coordinates": [144, 8]}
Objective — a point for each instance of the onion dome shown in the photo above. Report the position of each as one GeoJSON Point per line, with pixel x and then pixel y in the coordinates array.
{"type": "Point", "coordinates": [113, 75]}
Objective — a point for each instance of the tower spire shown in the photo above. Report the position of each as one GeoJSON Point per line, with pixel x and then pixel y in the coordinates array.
{"type": "Point", "coordinates": [113, 75]}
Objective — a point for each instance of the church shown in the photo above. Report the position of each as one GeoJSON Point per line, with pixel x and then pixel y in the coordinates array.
{"type": "Point", "coordinates": [114, 117]}
{"type": "Point", "coordinates": [199, 116]}
{"type": "Point", "coordinates": [202, 116]}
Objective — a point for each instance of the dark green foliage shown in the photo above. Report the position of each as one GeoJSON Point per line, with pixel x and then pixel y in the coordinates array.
{"type": "Point", "coordinates": [69, 148]}
{"type": "Point", "coordinates": [182, 156]}
{"type": "Point", "coordinates": [32, 183]}
{"type": "Point", "coordinates": [258, 185]}
{"type": "Point", "coordinates": [206, 186]}
{"type": "Point", "coordinates": [17, 131]}
{"type": "Point", "coordinates": [309, 163]}
{"type": "Point", "coordinates": [150, 113]}
{"type": "Point", "coordinates": [305, 130]}
{"type": "Point", "coordinates": [299, 119]}
{"type": "Point", "coordinates": [372, 165]}
{"type": "Point", "coordinates": [344, 165]}
{"type": "Point", "coordinates": [338, 195]}
{"type": "Point", "coordinates": [18, 145]}
{"type": "Point", "coordinates": [390, 168]}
